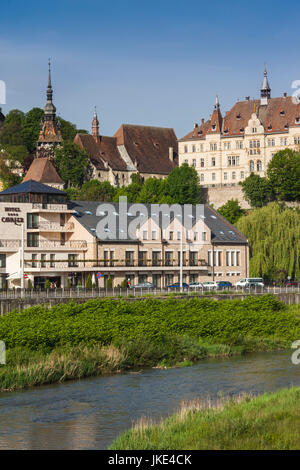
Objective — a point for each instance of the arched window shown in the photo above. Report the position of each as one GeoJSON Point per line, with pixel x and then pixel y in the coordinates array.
{"type": "Point", "coordinates": [258, 165]}
{"type": "Point", "coordinates": [202, 177]}
{"type": "Point", "coordinates": [251, 165]}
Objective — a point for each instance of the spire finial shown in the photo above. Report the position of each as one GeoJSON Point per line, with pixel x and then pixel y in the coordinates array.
{"type": "Point", "coordinates": [265, 90]}
{"type": "Point", "coordinates": [217, 103]}
{"type": "Point", "coordinates": [95, 125]}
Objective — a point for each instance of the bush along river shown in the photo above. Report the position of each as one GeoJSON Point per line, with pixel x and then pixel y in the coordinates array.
{"type": "Point", "coordinates": [91, 413]}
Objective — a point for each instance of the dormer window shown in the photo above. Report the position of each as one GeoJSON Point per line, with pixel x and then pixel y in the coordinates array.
{"type": "Point", "coordinates": [297, 120]}
{"type": "Point", "coordinates": [282, 113]}
{"type": "Point", "coordinates": [156, 144]}
{"type": "Point", "coordinates": [254, 129]}
{"type": "Point", "coordinates": [286, 126]}
{"type": "Point", "coordinates": [213, 127]}
{"type": "Point", "coordinates": [200, 132]}
{"type": "Point", "coordinates": [269, 127]}
{"type": "Point", "coordinates": [241, 129]}
{"type": "Point", "coordinates": [225, 131]}
{"type": "Point", "coordinates": [238, 116]}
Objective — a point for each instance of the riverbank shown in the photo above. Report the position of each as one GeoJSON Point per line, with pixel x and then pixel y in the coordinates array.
{"type": "Point", "coordinates": [107, 336]}
{"type": "Point", "coordinates": [267, 422]}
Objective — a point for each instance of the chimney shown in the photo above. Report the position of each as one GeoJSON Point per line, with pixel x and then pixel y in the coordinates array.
{"type": "Point", "coordinates": [171, 154]}
{"type": "Point", "coordinates": [202, 121]}
{"type": "Point", "coordinates": [247, 98]}
{"type": "Point", "coordinates": [195, 125]}
{"type": "Point", "coordinates": [285, 94]}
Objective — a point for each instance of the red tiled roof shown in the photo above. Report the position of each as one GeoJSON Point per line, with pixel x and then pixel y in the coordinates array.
{"type": "Point", "coordinates": [104, 149]}
{"type": "Point", "coordinates": [148, 147]}
{"type": "Point", "coordinates": [277, 116]}
{"type": "Point", "coordinates": [43, 171]}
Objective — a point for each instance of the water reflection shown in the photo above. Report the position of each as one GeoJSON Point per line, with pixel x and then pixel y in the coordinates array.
{"type": "Point", "coordinates": [89, 414]}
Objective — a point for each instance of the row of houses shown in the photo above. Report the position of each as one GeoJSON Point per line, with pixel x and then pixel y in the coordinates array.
{"type": "Point", "coordinates": [65, 241]}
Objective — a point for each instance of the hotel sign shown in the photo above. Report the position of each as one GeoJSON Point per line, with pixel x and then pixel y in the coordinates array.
{"type": "Point", "coordinates": [13, 216]}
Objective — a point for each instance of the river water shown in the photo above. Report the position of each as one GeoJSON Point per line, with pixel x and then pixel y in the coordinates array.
{"type": "Point", "coordinates": [90, 413]}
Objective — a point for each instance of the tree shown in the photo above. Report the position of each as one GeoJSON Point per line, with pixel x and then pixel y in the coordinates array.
{"type": "Point", "coordinates": [94, 190]}
{"type": "Point", "coordinates": [71, 161]}
{"type": "Point", "coordinates": [7, 175]}
{"type": "Point", "coordinates": [153, 190]}
{"type": "Point", "coordinates": [89, 283]}
{"type": "Point", "coordinates": [31, 128]}
{"type": "Point", "coordinates": [284, 175]}
{"type": "Point", "coordinates": [183, 185]}
{"type": "Point", "coordinates": [131, 191]}
{"type": "Point", "coordinates": [109, 283]}
{"type": "Point", "coordinates": [273, 232]}
{"type": "Point", "coordinates": [257, 190]}
{"type": "Point", "coordinates": [232, 211]}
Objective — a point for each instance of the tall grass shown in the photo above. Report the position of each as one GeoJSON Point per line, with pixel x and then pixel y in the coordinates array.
{"type": "Point", "coordinates": [270, 421]}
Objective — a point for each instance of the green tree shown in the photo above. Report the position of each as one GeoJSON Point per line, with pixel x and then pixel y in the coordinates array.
{"type": "Point", "coordinates": [273, 232]}
{"type": "Point", "coordinates": [47, 284]}
{"type": "Point", "coordinates": [153, 191]}
{"type": "Point", "coordinates": [31, 128]}
{"type": "Point", "coordinates": [94, 190]}
{"type": "Point", "coordinates": [231, 211]}
{"type": "Point", "coordinates": [89, 283]}
{"type": "Point", "coordinates": [284, 175]}
{"type": "Point", "coordinates": [7, 176]}
{"type": "Point", "coordinates": [183, 185]}
{"type": "Point", "coordinates": [257, 190]}
{"type": "Point", "coordinates": [109, 283]}
{"type": "Point", "coordinates": [71, 161]}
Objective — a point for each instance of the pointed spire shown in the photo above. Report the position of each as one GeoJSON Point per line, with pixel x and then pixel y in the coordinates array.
{"type": "Point", "coordinates": [49, 109]}
{"type": "Point", "coordinates": [95, 126]}
{"type": "Point", "coordinates": [217, 104]}
{"type": "Point", "coordinates": [265, 90]}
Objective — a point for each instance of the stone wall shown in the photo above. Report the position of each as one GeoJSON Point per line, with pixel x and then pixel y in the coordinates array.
{"type": "Point", "coordinates": [220, 195]}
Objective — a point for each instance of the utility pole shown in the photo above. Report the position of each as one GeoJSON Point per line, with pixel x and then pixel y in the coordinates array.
{"type": "Point", "coordinates": [181, 257]}
{"type": "Point", "coordinates": [22, 262]}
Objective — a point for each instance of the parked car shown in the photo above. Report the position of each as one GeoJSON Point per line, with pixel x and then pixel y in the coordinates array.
{"type": "Point", "coordinates": [176, 285]}
{"type": "Point", "coordinates": [250, 282]}
{"type": "Point", "coordinates": [196, 284]}
{"type": "Point", "coordinates": [210, 285]}
{"type": "Point", "coordinates": [224, 284]}
{"type": "Point", "coordinates": [144, 285]}
{"type": "Point", "coordinates": [292, 284]}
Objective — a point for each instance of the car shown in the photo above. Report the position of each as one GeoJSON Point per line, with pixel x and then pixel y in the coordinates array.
{"type": "Point", "coordinates": [210, 285]}
{"type": "Point", "coordinates": [176, 285]}
{"type": "Point", "coordinates": [250, 282]}
{"type": "Point", "coordinates": [196, 284]}
{"type": "Point", "coordinates": [144, 285]}
{"type": "Point", "coordinates": [224, 285]}
{"type": "Point", "coordinates": [292, 284]}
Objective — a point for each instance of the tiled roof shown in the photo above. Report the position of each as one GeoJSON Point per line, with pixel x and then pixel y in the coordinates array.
{"type": "Point", "coordinates": [102, 150]}
{"type": "Point", "coordinates": [277, 116]}
{"type": "Point", "coordinates": [32, 187]}
{"type": "Point", "coordinates": [148, 147]}
{"type": "Point", "coordinates": [222, 232]}
{"type": "Point", "coordinates": [44, 171]}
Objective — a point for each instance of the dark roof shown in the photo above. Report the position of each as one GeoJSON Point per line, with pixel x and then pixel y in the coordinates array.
{"type": "Point", "coordinates": [222, 232]}
{"type": "Point", "coordinates": [32, 187]}
{"type": "Point", "coordinates": [44, 171]}
{"type": "Point", "coordinates": [277, 116]}
{"type": "Point", "coordinates": [148, 147]}
{"type": "Point", "coordinates": [101, 151]}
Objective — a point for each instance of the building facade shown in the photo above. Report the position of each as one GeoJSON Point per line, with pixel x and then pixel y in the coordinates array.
{"type": "Point", "coordinates": [227, 149]}
{"type": "Point", "coordinates": [62, 243]}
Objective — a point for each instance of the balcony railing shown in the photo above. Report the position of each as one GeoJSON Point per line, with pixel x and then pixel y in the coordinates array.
{"type": "Point", "coordinates": [47, 225]}
{"type": "Point", "coordinates": [57, 244]}
{"type": "Point", "coordinates": [10, 243]}
{"type": "Point", "coordinates": [51, 207]}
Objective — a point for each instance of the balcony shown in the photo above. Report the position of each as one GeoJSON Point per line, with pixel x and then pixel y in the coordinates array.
{"type": "Point", "coordinates": [47, 226]}
{"type": "Point", "coordinates": [39, 207]}
{"type": "Point", "coordinates": [10, 244]}
{"type": "Point", "coordinates": [58, 245]}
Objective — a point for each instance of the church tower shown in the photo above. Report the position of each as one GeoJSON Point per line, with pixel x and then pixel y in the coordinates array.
{"type": "Point", "coordinates": [50, 135]}
{"type": "Point", "coordinates": [265, 90]}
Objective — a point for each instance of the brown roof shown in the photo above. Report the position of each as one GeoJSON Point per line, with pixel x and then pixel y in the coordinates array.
{"type": "Point", "coordinates": [277, 116]}
{"type": "Point", "coordinates": [148, 147]}
{"type": "Point", "coordinates": [104, 149]}
{"type": "Point", "coordinates": [43, 171]}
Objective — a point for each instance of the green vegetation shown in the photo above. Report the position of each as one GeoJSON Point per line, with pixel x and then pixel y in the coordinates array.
{"type": "Point", "coordinates": [282, 181]}
{"type": "Point", "coordinates": [232, 211]}
{"type": "Point", "coordinates": [71, 162]}
{"type": "Point", "coordinates": [69, 340]}
{"type": "Point", "coordinates": [267, 422]}
{"type": "Point", "coordinates": [273, 233]}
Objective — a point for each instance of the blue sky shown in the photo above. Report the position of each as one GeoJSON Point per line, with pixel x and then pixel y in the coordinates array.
{"type": "Point", "coordinates": [154, 63]}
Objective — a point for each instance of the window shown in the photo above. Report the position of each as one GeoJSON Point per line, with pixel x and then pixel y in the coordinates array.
{"type": "Point", "coordinates": [193, 148]}
{"type": "Point", "coordinates": [213, 176]}
{"type": "Point", "coordinates": [233, 175]}
{"type": "Point", "coordinates": [52, 260]}
{"type": "Point", "coordinates": [34, 263]}
{"type": "Point", "coordinates": [237, 160]}
{"type": "Point", "coordinates": [226, 145]}
{"type": "Point", "coordinates": [201, 147]}
{"type": "Point", "coordinates": [72, 261]}
{"type": "Point", "coordinates": [213, 146]}
{"type": "Point", "coordinates": [2, 260]}
{"type": "Point", "coordinates": [225, 176]}
{"type": "Point", "coordinates": [233, 160]}
{"type": "Point", "coordinates": [195, 236]}
{"type": "Point", "coordinates": [145, 235]}
{"type": "Point", "coordinates": [242, 175]}
{"type": "Point", "coordinates": [32, 221]}
{"type": "Point", "coordinates": [239, 144]}
{"type": "Point", "coordinates": [129, 258]}
{"type": "Point", "coordinates": [155, 258]}
{"type": "Point", "coordinates": [43, 261]}
{"type": "Point", "coordinates": [202, 162]}
{"type": "Point", "coordinates": [194, 162]}
{"type": "Point", "coordinates": [202, 177]}
{"type": "Point", "coordinates": [213, 161]}
{"type": "Point", "coordinates": [186, 161]}
{"type": "Point", "coordinates": [178, 235]}
{"type": "Point", "coordinates": [297, 140]}
{"type": "Point", "coordinates": [254, 129]}
{"type": "Point", "coordinates": [32, 239]}
{"type": "Point", "coordinates": [251, 165]}
{"type": "Point", "coordinates": [283, 141]}
{"type": "Point", "coordinates": [154, 235]}
{"type": "Point", "coordinates": [259, 165]}
{"type": "Point", "coordinates": [271, 142]}
{"type": "Point", "coordinates": [185, 149]}
{"type": "Point", "coordinates": [203, 236]}
{"type": "Point", "coordinates": [171, 235]}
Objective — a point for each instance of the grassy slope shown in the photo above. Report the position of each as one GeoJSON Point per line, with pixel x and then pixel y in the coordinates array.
{"type": "Point", "coordinates": [270, 421]}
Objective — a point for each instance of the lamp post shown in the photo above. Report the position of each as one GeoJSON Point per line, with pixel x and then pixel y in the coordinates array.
{"type": "Point", "coordinates": [22, 262]}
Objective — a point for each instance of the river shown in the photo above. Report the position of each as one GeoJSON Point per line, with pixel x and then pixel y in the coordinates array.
{"type": "Point", "coordinates": [90, 413]}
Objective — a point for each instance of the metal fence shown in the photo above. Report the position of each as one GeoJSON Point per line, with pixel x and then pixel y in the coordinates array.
{"type": "Point", "coordinates": [79, 292]}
